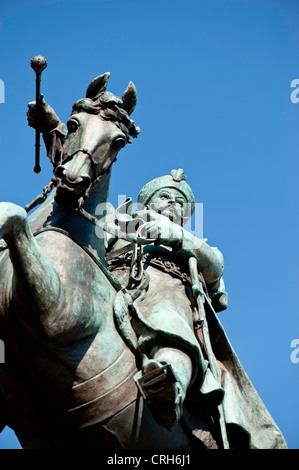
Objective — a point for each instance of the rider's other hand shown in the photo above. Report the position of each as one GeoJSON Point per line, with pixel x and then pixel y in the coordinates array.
{"type": "Point", "coordinates": [42, 117]}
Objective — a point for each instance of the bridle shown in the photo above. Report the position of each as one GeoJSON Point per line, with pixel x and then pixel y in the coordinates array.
{"type": "Point", "coordinates": [55, 180]}
{"type": "Point", "coordinates": [66, 158]}
{"type": "Point", "coordinates": [80, 211]}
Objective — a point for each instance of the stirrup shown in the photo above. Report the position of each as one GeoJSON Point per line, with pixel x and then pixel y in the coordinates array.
{"type": "Point", "coordinates": [161, 392]}
{"type": "Point", "coordinates": [157, 382]}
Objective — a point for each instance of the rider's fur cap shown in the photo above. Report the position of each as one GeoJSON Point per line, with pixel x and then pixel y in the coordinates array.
{"type": "Point", "coordinates": [176, 180]}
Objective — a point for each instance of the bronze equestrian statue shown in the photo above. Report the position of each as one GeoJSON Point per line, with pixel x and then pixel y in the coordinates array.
{"type": "Point", "coordinates": [110, 325]}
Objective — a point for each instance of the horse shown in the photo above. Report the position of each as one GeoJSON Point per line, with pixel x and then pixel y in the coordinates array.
{"type": "Point", "coordinates": [68, 376]}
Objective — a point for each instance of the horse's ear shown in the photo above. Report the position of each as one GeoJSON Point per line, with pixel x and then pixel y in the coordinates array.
{"type": "Point", "coordinates": [97, 86]}
{"type": "Point", "coordinates": [129, 98]}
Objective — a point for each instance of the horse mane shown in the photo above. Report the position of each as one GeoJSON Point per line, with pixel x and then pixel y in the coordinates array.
{"type": "Point", "coordinates": [109, 107]}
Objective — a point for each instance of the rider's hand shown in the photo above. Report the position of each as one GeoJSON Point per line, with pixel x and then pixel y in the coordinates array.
{"type": "Point", "coordinates": [42, 118]}
{"type": "Point", "coordinates": [160, 228]}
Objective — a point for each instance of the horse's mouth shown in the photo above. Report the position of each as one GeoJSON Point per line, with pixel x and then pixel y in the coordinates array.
{"type": "Point", "coordinates": [68, 194]}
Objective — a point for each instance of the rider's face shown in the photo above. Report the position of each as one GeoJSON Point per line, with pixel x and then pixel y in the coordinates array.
{"type": "Point", "coordinates": [169, 202]}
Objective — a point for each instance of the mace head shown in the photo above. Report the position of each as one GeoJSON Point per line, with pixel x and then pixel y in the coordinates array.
{"type": "Point", "coordinates": [38, 63]}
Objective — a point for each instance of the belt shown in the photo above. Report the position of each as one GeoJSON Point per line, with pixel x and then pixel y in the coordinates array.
{"type": "Point", "coordinates": [151, 259]}
{"type": "Point", "coordinates": [165, 265]}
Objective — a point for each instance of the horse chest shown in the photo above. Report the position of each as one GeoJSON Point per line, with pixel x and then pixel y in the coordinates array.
{"type": "Point", "coordinates": [78, 339]}
{"type": "Point", "coordinates": [84, 305]}
{"type": "Point", "coordinates": [88, 293]}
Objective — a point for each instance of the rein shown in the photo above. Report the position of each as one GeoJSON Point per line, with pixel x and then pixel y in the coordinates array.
{"type": "Point", "coordinates": [113, 229]}
{"type": "Point", "coordinates": [136, 241]}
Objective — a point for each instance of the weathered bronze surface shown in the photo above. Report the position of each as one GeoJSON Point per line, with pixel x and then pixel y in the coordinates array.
{"type": "Point", "coordinates": [111, 334]}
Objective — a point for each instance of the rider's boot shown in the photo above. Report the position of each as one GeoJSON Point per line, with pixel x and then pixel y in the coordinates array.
{"type": "Point", "coordinates": [163, 393]}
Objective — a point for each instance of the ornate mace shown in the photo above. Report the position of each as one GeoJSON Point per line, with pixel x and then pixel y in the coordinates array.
{"type": "Point", "coordinates": [38, 63]}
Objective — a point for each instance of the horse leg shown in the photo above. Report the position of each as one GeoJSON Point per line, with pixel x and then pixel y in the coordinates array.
{"type": "Point", "coordinates": [35, 282]}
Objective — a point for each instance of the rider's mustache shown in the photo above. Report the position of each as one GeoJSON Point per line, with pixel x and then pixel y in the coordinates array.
{"type": "Point", "coordinates": [177, 213]}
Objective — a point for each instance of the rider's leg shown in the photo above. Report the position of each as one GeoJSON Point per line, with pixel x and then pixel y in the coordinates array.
{"type": "Point", "coordinates": [167, 394]}
{"type": "Point", "coordinates": [180, 362]}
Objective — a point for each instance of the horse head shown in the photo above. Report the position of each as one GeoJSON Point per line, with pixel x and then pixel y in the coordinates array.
{"type": "Point", "coordinates": [99, 126]}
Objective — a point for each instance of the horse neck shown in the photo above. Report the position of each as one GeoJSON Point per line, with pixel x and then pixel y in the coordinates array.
{"type": "Point", "coordinates": [50, 214]}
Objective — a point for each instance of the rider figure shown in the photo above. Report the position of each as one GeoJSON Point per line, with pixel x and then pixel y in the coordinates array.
{"type": "Point", "coordinates": [164, 315]}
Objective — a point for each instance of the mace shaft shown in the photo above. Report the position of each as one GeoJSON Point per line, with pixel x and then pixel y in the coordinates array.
{"type": "Point", "coordinates": [38, 63]}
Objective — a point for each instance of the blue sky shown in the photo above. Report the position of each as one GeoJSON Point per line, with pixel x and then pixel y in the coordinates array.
{"type": "Point", "coordinates": [213, 81]}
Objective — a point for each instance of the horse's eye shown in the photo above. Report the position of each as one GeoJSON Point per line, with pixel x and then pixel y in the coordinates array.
{"type": "Point", "coordinates": [119, 143]}
{"type": "Point", "coordinates": [72, 126]}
